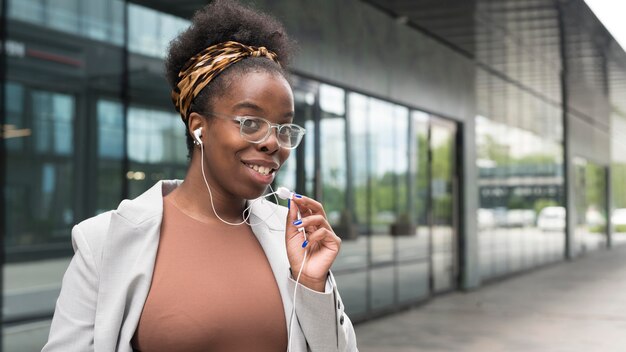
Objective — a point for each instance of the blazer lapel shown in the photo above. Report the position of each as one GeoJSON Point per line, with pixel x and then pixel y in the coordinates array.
{"type": "Point", "coordinates": [128, 259]}
{"type": "Point", "coordinates": [268, 225]}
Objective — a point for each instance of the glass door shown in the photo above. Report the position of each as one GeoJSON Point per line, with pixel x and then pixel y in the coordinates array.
{"type": "Point", "coordinates": [443, 207]}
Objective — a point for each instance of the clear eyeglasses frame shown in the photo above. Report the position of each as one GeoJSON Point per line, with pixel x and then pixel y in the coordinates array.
{"type": "Point", "coordinates": [257, 130]}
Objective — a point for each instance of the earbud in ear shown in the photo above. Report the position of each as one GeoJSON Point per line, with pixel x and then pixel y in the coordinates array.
{"type": "Point", "coordinates": [197, 133]}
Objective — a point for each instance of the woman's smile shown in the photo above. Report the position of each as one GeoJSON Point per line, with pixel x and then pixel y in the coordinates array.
{"type": "Point", "coordinates": [261, 171]}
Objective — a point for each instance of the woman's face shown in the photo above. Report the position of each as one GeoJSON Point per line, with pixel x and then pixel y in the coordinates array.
{"type": "Point", "coordinates": [235, 165]}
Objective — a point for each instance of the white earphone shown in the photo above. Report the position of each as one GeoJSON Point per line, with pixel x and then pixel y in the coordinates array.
{"type": "Point", "coordinates": [281, 192]}
{"type": "Point", "coordinates": [197, 133]}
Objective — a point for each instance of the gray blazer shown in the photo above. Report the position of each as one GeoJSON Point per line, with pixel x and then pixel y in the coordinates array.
{"type": "Point", "coordinates": [107, 282]}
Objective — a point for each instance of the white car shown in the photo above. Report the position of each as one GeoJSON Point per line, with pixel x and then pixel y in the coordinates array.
{"type": "Point", "coordinates": [551, 219]}
{"type": "Point", "coordinates": [618, 218]}
{"type": "Point", "coordinates": [486, 219]}
{"type": "Point", "coordinates": [520, 217]}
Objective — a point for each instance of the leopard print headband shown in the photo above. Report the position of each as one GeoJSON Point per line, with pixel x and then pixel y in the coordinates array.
{"type": "Point", "coordinates": [207, 64]}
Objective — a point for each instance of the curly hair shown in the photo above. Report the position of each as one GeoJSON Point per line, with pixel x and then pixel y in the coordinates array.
{"type": "Point", "coordinates": [221, 21]}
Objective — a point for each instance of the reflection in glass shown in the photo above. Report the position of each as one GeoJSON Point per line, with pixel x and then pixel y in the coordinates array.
{"type": "Point", "coordinates": [39, 198]}
{"type": "Point", "coordinates": [381, 173]}
{"type": "Point", "coordinates": [95, 19]}
{"type": "Point", "coordinates": [304, 103]}
{"type": "Point", "coordinates": [334, 178]}
{"type": "Point", "coordinates": [360, 144]}
{"type": "Point", "coordinates": [590, 221]}
{"type": "Point", "coordinates": [14, 118]}
{"type": "Point", "coordinates": [521, 218]}
{"type": "Point", "coordinates": [52, 122]}
{"type": "Point", "coordinates": [155, 136]}
{"type": "Point", "coordinates": [413, 244]}
{"type": "Point", "coordinates": [443, 237]}
{"type": "Point", "coordinates": [150, 31]}
{"type": "Point", "coordinates": [380, 122]}
{"type": "Point", "coordinates": [413, 281]}
{"type": "Point", "coordinates": [333, 162]}
{"type": "Point", "coordinates": [110, 154]}
{"type": "Point", "coordinates": [156, 148]}
{"type": "Point", "coordinates": [618, 189]}
{"type": "Point", "coordinates": [353, 286]}
{"type": "Point", "coordinates": [382, 288]}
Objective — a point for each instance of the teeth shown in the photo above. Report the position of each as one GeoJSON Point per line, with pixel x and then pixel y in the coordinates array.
{"type": "Point", "coordinates": [260, 169]}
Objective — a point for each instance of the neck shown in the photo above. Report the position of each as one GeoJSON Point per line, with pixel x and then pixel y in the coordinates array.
{"type": "Point", "coordinates": [194, 197]}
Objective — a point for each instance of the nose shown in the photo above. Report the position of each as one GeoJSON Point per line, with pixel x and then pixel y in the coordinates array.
{"type": "Point", "coordinates": [270, 145]}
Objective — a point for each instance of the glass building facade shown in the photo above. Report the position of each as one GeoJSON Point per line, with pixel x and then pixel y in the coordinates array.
{"type": "Point", "coordinates": [464, 161]}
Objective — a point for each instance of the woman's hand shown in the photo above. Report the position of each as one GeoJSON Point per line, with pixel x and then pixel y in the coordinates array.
{"type": "Point", "coordinates": [322, 243]}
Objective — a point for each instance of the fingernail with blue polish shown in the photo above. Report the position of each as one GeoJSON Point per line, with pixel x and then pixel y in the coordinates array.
{"type": "Point", "coordinates": [288, 203]}
{"type": "Point", "coordinates": [305, 243]}
{"type": "Point", "coordinates": [298, 196]}
{"type": "Point", "coordinates": [297, 222]}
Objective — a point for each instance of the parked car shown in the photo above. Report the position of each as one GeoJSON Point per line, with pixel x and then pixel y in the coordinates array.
{"type": "Point", "coordinates": [520, 217]}
{"type": "Point", "coordinates": [594, 218]}
{"type": "Point", "coordinates": [618, 219]}
{"type": "Point", "coordinates": [551, 219]}
{"type": "Point", "coordinates": [486, 219]}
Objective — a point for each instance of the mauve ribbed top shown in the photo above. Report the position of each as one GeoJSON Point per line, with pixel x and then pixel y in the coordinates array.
{"type": "Point", "coordinates": [212, 290]}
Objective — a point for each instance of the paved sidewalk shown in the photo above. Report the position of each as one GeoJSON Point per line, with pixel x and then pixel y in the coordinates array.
{"type": "Point", "coordinates": [571, 306]}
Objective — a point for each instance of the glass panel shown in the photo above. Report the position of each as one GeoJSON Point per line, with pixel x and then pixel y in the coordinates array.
{"type": "Point", "coordinates": [95, 19]}
{"type": "Point", "coordinates": [334, 178]}
{"type": "Point", "coordinates": [15, 130]}
{"type": "Point", "coordinates": [590, 231]}
{"type": "Point", "coordinates": [401, 136]}
{"type": "Point", "coordinates": [413, 282]}
{"type": "Point", "coordinates": [307, 185]}
{"type": "Point", "coordinates": [27, 10]}
{"type": "Point", "coordinates": [304, 92]}
{"type": "Point", "coordinates": [39, 199]}
{"type": "Point", "coordinates": [333, 154]}
{"type": "Point", "coordinates": [521, 219]}
{"type": "Point", "coordinates": [358, 106]}
{"type": "Point", "coordinates": [110, 154]}
{"type": "Point", "coordinates": [156, 148]}
{"type": "Point", "coordinates": [442, 144]}
{"type": "Point", "coordinates": [52, 121]}
{"type": "Point", "coordinates": [149, 31]}
{"type": "Point", "coordinates": [414, 245]}
{"type": "Point", "coordinates": [353, 288]}
{"type": "Point", "coordinates": [618, 188]}
{"type": "Point", "coordinates": [380, 122]}
{"type": "Point", "coordinates": [63, 15]}
{"type": "Point", "coordinates": [382, 287]}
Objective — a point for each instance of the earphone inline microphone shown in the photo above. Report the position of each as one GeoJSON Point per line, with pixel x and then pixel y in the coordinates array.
{"type": "Point", "coordinates": [283, 193]}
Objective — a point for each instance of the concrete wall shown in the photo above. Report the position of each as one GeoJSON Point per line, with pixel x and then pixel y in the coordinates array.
{"type": "Point", "coordinates": [341, 40]}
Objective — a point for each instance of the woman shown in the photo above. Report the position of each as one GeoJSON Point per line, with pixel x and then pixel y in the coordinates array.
{"type": "Point", "coordinates": [197, 265]}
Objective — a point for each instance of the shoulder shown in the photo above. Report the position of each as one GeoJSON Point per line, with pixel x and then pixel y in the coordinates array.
{"type": "Point", "coordinates": [147, 205]}
{"type": "Point", "coordinates": [92, 232]}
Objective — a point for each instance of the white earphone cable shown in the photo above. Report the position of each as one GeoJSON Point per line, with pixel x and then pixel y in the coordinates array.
{"type": "Point", "coordinates": [246, 213]}
{"type": "Point", "coordinates": [246, 216]}
{"type": "Point", "coordinates": [293, 310]}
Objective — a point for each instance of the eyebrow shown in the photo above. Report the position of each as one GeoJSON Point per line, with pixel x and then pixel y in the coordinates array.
{"type": "Point", "coordinates": [249, 105]}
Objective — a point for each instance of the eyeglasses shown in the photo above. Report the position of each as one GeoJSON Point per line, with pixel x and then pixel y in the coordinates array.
{"type": "Point", "coordinates": [257, 130]}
